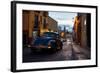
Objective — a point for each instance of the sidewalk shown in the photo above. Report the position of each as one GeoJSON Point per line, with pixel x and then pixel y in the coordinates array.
{"type": "Point", "coordinates": [78, 52]}
{"type": "Point", "coordinates": [81, 53]}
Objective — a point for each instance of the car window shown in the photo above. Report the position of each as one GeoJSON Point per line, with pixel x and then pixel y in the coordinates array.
{"type": "Point", "coordinates": [47, 34]}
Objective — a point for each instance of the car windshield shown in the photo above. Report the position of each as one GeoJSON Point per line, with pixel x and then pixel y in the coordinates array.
{"type": "Point", "coordinates": [49, 34]}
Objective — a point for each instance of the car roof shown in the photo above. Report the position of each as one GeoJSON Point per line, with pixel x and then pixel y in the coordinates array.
{"type": "Point", "coordinates": [51, 32]}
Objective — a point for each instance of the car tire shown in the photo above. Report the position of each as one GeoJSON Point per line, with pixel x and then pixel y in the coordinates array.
{"type": "Point", "coordinates": [59, 46]}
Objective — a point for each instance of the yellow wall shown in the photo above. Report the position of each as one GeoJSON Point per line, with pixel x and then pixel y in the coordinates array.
{"type": "Point", "coordinates": [31, 23]}
{"type": "Point", "coordinates": [28, 21]}
{"type": "Point", "coordinates": [25, 20]}
{"type": "Point", "coordinates": [52, 24]}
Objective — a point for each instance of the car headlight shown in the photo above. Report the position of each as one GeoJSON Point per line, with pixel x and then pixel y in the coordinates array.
{"type": "Point", "coordinates": [49, 46]}
{"type": "Point", "coordinates": [49, 43]}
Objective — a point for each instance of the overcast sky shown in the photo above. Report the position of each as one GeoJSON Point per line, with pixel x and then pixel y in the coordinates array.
{"type": "Point", "coordinates": [63, 18]}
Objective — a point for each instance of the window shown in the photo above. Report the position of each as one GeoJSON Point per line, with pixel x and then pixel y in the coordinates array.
{"type": "Point", "coordinates": [36, 23]}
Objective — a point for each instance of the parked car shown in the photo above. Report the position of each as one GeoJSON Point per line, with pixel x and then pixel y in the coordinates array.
{"type": "Point", "coordinates": [48, 41]}
{"type": "Point", "coordinates": [63, 36]}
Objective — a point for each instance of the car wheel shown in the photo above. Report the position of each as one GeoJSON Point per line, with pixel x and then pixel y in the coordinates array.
{"type": "Point", "coordinates": [59, 46]}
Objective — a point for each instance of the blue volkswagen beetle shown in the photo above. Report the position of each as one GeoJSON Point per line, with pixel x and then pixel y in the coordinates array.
{"type": "Point", "coordinates": [48, 41]}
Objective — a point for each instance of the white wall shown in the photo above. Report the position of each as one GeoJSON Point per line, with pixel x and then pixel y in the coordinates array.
{"type": "Point", "coordinates": [5, 36]}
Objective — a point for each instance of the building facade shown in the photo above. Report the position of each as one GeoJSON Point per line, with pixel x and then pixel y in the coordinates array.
{"type": "Point", "coordinates": [52, 25]}
{"type": "Point", "coordinates": [35, 23]}
{"type": "Point", "coordinates": [82, 29]}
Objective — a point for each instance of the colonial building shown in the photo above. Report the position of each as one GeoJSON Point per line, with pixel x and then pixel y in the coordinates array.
{"type": "Point", "coordinates": [35, 23]}
{"type": "Point", "coordinates": [52, 25]}
{"type": "Point", "coordinates": [82, 28]}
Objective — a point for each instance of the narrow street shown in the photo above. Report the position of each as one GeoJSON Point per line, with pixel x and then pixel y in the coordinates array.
{"type": "Point", "coordinates": [42, 28]}
{"type": "Point", "coordinates": [70, 51]}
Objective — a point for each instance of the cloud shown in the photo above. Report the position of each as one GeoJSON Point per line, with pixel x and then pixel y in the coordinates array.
{"type": "Point", "coordinates": [65, 22]}
{"type": "Point", "coordinates": [63, 18]}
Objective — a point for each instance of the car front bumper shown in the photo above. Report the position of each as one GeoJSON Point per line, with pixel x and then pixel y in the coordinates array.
{"type": "Point", "coordinates": [40, 48]}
